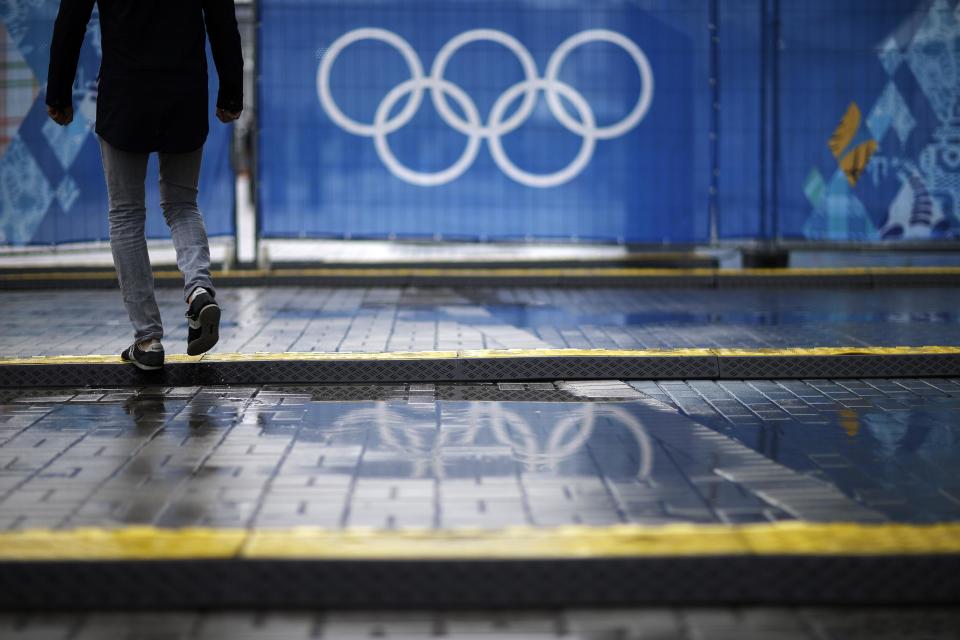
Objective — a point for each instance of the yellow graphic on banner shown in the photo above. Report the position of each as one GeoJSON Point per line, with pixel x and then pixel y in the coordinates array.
{"type": "Point", "coordinates": [855, 162]}
{"type": "Point", "coordinates": [845, 131]}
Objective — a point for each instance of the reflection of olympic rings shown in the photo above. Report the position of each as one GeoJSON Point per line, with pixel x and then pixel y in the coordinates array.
{"type": "Point", "coordinates": [415, 434]}
{"type": "Point", "coordinates": [419, 439]}
{"type": "Point", "coordinates": [496, 126]}
{"type": "Point", "coordinates": [559, 446]}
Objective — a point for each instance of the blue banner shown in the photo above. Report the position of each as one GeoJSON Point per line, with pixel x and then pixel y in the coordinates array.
{"type": "Point", "coordinates": [611, 120]}
{"type": "Point", "coordinates": [870, 121]}
{"type": "Point", "coordinates": [51, 178]}
{"type": "Point", "coordinates": [483, 120]}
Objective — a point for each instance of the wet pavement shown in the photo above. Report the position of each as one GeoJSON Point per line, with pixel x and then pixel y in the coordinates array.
{"type": "Point", "coordinates": [892, 445]}
{"type": "Point", "coordinates": [377, 319]}
{"type": "Point", "coordinates": [486, 455]}
{"type": "Point", "coordinates": [481, 455]}
{"type": "Point", "coordinates": [662, 624]}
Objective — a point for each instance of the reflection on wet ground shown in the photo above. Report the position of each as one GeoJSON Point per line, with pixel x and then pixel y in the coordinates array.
{"type": "Point", "coordinates": [893, 445]}
{"type": "Point", "coordinates": [546, 315]}
{"type": "Point", "coordinates": [375, 319]}
{"type": "Point", "coordinates": [430, 456]}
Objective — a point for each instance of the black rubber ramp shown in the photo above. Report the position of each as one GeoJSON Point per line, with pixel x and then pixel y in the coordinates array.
{"type": "Point", "coordinates": [488, 365]}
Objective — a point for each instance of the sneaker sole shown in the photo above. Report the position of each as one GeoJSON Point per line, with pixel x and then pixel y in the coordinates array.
{"type": "Point", "coordinates": [145, 367]}
{"type": "Point", "coordinates": [209, 318]}
{"type": "Point", "coordinates": [141, 366]}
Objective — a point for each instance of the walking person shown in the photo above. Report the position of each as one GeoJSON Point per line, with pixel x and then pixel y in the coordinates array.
{"type": "Point", "coordinates": [153, 98]}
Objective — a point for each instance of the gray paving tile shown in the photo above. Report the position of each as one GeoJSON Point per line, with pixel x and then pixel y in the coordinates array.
{"type": "Point", "coordinates": [660, 624]}
{"type": "Point", "coordinates": [370, 319]}
{"type": "Point", "coordinates": [889, 444]}
{"type": "Point", "coordinates": [264, 457]}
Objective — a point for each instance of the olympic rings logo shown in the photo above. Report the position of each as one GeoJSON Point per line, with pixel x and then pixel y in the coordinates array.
{"type": "Point", "coordinates": [496, 125]}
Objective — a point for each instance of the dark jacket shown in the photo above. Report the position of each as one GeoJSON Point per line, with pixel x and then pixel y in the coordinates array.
{"type": "Point", "coordinates": [153, 75]}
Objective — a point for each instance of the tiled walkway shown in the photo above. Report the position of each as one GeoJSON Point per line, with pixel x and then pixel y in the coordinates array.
{"type": "Point", "coordinates": [484, 455]}
{"type": "Point", "coordinates": [438, 456]}
{"type": "Point", "coordinates": [303, 319]}
{"type": "Point", "coordinates": [891, 445]}
{"type": "Point", "coordinates": [659, 624]}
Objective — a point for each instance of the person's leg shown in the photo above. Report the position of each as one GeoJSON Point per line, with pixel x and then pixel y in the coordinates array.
{"type": "Point", "coordinates": [179, 176]}
{"type": "Point", "coordinates": [125, 173]}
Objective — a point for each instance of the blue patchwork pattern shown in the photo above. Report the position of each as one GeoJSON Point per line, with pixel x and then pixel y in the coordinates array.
{"type": "Point", "coordinates": [51, 180]}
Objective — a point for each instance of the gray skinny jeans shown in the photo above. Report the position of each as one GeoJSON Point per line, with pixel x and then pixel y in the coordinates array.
{"type": "Point", "coordinates": [126, 173]}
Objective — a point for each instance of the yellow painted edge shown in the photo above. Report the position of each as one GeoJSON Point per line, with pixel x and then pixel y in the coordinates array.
{"type": "Point", "coordinates": [126, 543]}
{"type": "Point", "coordinates": [317, 356]}
{"type": "Point", "coordinates": [377, 272]}
{"type": "Point", "coordinates": [500, 272]}
{"type": "Point", "coordinates": [507, 272]}
{"type": "Point", "coordinates": [308, 356]}
{"type": "Point", "coordinates": [493, 354]}
{"type": "Point", "coordinates": [781, 538]}
{"type": "Point", "coordinates": [839, 351]}
{"type": "Point", "coordinates": [840, 271]}
{"type": "Point", "coordinates": [593, 353]}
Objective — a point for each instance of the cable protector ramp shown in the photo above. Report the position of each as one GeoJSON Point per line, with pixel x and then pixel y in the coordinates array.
{"type": "Point", "coordinates": [488, 365]}
{"type": "Point", "coordinates": [778, 563]}
{"type": "Point", "coordinates": [570, 274]}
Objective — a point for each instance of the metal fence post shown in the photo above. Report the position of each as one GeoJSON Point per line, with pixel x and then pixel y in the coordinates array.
{"type": "Point", "coordinates": [714, 213]}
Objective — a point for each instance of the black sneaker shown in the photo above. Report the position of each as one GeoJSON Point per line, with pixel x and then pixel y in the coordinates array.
{"type": "Point", "coordinates": [203, 318]}
{"type": "Point", "coordinates": [149, 359]}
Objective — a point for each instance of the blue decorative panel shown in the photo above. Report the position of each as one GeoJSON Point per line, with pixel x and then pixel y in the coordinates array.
{"type": "Point", "coordinates": [51, 178]}
{"type": "Point", "coordinates": [897, 64]}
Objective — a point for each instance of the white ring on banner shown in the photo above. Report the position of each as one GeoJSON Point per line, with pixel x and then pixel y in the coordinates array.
{"type": "Point", "coordinates": [643, 66]}
{"type": "Point", "coordinates": [390, 160]}
{"type": "Point", "coordinates": [530, 73]}
{"type": "Point", "coordinates": [570, 171]}
{"type": "Point", "coordinates": [326, 65]}
{"type": "Point", "coordinates": [496, 127]}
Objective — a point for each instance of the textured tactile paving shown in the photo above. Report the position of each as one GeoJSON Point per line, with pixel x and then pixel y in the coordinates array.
{"type": "Point", "coordinates": [843, 366]}
{"type": "Point", "coordinates": [356, 370]}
